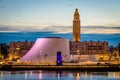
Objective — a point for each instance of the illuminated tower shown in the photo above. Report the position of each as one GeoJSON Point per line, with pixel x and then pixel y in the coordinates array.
{"type": "Point", "coordinates": [76, 26]}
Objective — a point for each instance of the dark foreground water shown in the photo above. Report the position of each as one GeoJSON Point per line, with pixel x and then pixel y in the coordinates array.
{"type": "Point", "coordinates": [58, 75]}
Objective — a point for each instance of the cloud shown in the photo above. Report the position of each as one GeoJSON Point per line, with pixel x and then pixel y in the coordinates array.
{"type": "Point", "coordinates": [3, 7]}
{"type": "Point", "coordinates": [58, 29]}
{"type": "Point", "coordinates": [61, 29]}
{"type": "Point", "coordinates": [100, 29]}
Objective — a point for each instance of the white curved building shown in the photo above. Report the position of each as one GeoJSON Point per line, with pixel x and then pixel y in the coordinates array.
{"type": "Point", "coordinates": [45, 49]}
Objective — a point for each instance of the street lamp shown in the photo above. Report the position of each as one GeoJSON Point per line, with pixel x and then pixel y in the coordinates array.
{"type": "Point", "coordinates": [17, 49]}
{"type": "Point", "coordinates": [78, 52]}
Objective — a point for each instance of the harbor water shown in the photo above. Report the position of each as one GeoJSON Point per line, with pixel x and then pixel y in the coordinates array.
{"type": "Point", "coordinates": [58, 75]}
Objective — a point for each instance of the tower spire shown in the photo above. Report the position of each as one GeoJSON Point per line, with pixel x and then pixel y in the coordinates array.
{"type": "Point", "coordinates": [76, 26]}
{"type": "Point", "coordinates": [76, 14]}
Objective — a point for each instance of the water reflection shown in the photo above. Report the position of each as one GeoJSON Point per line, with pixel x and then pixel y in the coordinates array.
{"type": "Point", "coordinates": [31, 73]}
{"type": "Point", "coordinates": [58, 75]}
{"type": "Point", "coordinates": [40, 74]}
{"type": "Point", "coordinates": [25, 74]}
{"type": "Point", "coordinates": [78, 76]}
{"type": "Point", "coordinates": [114, 74]}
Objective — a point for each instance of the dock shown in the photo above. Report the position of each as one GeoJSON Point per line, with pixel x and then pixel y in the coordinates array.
{"type": "Point", "coordinates": [63, 67]}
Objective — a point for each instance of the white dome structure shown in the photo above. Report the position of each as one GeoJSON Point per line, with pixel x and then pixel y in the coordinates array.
{"type": "Point", "coordinates": [45, 49]}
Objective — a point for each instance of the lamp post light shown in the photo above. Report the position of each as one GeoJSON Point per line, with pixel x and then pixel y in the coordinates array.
{"type": "Point", "coordinates": [16, 55]}
{"type": "Point", "coordinates": [39, 56]}
{"type": "Point", "coordinates": [17, 49]}
{"type": "Point", "coordinates": [10, 56]}
{"type": "Point", "coordinates": [1, 57]}
{"type": "Point", "coordinates": [78, 52]}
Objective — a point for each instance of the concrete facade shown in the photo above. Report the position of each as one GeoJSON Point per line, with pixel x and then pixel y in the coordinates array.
{"type": "Point", "coordinates": [45, 49]}
{"type": "Point", "coordinates": [89, 48]}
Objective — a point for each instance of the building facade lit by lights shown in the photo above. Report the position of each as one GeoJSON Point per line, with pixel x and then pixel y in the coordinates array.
{"type": "Point", "coordinates": [90, 48]}
{"type": "Point", "coordinates": [119, 48]}
{"type": "Point", "coordinates": [78, 48]}
{"type": "Point", "coordinates": [20, 48]}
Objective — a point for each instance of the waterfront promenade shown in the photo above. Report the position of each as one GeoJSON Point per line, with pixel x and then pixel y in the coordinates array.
{"type": "Point", "coordinates": [63, 67]}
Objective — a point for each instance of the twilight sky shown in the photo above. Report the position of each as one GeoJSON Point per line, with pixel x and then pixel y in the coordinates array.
{"type": "Point", "coordinates": [97, 16]}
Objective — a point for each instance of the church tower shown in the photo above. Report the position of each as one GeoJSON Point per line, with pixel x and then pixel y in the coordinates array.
{"type": "Point", "coordinates": [76, 26]}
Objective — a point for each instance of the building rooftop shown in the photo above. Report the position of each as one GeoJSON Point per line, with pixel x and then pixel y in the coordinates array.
{"type": "Point", "coordinates": [52, 37]}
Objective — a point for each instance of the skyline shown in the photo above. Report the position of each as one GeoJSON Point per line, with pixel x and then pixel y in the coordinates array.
{"type": "Point", "coordinates": [7, 37]}
{"type": "Point", "coordinates": [57, 16]}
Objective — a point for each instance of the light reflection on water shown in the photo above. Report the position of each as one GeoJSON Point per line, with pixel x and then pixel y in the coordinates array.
{"type": "Point", "coordinates": [58, 75]}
